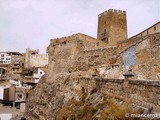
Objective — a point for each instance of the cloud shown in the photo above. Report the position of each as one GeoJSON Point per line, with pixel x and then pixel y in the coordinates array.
{"type": "Point", "coordinates": [32, 23]}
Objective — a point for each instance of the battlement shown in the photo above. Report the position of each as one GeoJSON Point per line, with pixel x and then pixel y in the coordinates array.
{"type": "Point", "coordinates": [113, 11]}
{"type": "Point", "coordinates": [64, 40]}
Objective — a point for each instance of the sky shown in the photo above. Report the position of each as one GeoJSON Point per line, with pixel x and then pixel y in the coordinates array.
{"type": "Point", "coordinates": [32, 23]}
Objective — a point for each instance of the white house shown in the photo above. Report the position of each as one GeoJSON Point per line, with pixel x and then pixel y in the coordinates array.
{"type": "Point", "coordinates": [6, 57]}
{"type": "Point", "coordinates": [37, 76]}
{"type": "Point", "coordinates": [4, 92]}
{"type": "Point", "coordinates": [5, 116]}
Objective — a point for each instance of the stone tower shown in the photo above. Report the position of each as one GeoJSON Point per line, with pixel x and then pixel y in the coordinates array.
{"type": "Point", "coordinates": [112, 26]}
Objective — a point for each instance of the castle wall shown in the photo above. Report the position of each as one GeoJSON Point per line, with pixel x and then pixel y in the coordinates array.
{"type": "Point", "coordinates": [34, 59]}
{"type": "Point", "coordinates": [139, 93]}
{"type": "Point", "coordinates": [39, 60]}
{"type": "Point", "coordinates": [151, 30]}
{"type": "Point", "coordinates": [144, 60]}
{"type": "Point", "coordinates": [138, 57]}
{"type": "Point", "coordinates": [64, 53]}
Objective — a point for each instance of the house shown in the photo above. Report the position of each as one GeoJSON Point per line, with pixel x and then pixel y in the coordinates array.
{"type": "Point", "coordinates": [9, 57]}
{"type": "Point", "coordinates": [38, 75]}
{"type": "Point", "coordinates": [35, 78]}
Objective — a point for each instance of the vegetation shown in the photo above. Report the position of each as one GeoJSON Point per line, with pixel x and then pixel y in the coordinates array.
{"type": "Point", "coordinates": [85, 110]}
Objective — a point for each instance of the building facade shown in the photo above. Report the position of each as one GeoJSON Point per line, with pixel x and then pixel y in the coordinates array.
{"type": "Point", "coordinates": [10, 57]}
{"type": "Point", "coordinates": [5, 58]}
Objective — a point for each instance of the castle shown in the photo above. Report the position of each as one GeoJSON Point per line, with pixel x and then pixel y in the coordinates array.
{"type": "Point", "coordinates": [112, 65]}
{"type": "Point", "coordinates": [129, 53]}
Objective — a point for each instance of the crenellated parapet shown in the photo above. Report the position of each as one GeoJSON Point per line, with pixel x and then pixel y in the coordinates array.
{"type": "Point", "coordinates": [113, 11]}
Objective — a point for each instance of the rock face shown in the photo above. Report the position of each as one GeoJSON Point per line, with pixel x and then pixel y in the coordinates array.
{"type": "Point", "coordinates": [84, 72]}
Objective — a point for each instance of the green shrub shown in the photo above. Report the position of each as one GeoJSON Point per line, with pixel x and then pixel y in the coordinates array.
{"type": "Point", "coordinates": [72, 117]}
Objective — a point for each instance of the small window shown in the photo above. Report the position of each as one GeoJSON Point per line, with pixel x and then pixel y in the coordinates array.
{"type": "Point", "coordinates": [97, 43]}
{"type": "Point", "coordinates": [147, 32]}
{"type": "Point", "coordinates": [2, 55]}
{"type": "Point", "coordinates": [19, 96]}
{"type": "Point", "coordinates": [154, 27]}
{"type": "Point", "coordinates": [104, 30]}
{"type": "Point", "coordinates": [40, 72]}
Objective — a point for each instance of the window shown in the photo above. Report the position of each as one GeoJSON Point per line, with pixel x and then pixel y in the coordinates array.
{"type": "Point", "coordinates": [154, 27]}
{"type": "Point", "coordinates": [2, 55]}
{"type": "Point", "coordinates": [40, 72]}
{"type": "Point", "coordinates": [8, 59]}
{"type": "Point", "coordinates": [19, 96]}
{"type": "Point", "coordinates": [105, 40]}
{"type": "Point", "coordinates": [147, 32]}
{"type": "Point", "coordinates": [97, 43]}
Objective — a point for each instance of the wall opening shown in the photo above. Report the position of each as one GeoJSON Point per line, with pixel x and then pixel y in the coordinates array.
{"type": "Point", "coordinates": [129, 57]}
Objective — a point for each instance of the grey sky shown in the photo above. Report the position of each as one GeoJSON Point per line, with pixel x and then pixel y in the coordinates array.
{"type": "Point", "coordinates": [32, 23]}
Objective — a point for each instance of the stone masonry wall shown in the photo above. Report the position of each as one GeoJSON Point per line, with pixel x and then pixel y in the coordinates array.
{"type": "Point", "coordinates": [38, 60]}
{"type": "Point", "coordinates": [144, 58]}
{"type": "Point", "coordinates": [64, 52]}
{"type": "Point", "coordinates": [143, 94]}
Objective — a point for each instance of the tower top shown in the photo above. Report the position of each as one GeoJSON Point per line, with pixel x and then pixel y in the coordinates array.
{"type": "Point", "coordinates": [112, 11]}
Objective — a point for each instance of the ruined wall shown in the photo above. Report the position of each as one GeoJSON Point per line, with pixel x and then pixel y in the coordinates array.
{"type": "Point", "coordinates": [64, 52]}
{"type": "Point", "coordinates": [34, 59]}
